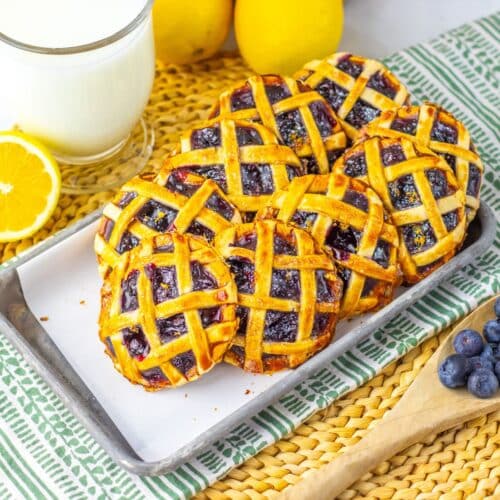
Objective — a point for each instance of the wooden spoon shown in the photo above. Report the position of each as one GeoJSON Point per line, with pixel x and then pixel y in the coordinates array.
{"type": "Point", "coordinates": [427, 407]}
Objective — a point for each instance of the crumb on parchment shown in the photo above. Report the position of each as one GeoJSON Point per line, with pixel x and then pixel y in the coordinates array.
{"type": "Point", "coordinates": [82, 302]}
{"type": "Point", "coordinates": [248, 391]}
{"type": "Point", "coordinates": [44, 318]}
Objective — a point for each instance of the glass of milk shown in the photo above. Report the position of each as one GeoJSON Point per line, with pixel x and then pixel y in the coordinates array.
{"type": "Point", "coordinates": [77, 74]}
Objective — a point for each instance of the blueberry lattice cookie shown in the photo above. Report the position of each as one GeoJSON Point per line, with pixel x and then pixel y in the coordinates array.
{"type": "Point", "coordinates": [288, 295]}
{"type": "Point", "coordinates": [168, 311]}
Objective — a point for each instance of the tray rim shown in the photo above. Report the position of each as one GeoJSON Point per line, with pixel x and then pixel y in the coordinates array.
{"type": "Point", "coordinates": [103, 429]}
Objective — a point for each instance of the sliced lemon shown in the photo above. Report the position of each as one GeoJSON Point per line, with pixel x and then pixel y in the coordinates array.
{"type": "Point", "coordinates": [30, 184]}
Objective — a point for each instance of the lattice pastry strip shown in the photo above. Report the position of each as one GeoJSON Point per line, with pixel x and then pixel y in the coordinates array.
{"type": "Point", "coordinates": [288, 296]}
{"type": "Point", "coordinates": [244, 158]}
{"type": "Point", "coordinates": [168, 311]}
{"type": "Point", "coordinates": [420, 192]}
{"type": "Point", "coordinates": [349, 219]}
{"type": "Point", "coordinates": [358, 89]}
{"type": "Point", "coordinates": [175, 200]}
{"type": "Point", "coordinates": [300, 117]}
{"type": "Point", "coordinates": [435, 128]}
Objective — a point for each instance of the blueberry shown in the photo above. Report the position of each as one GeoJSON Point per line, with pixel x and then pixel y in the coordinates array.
{"type": "Point", "coordinates": [479, 362]}
{"type": "Point", "coordinates": [482, 383]}
{"type": "Point", "coordinates": [453, 371]}
{"type": "Point", "coordinates": [468, 342]}
{"type": "Point", "coordinates": [497, 370]}
{"type": "Point", "coordinates": [496, 307]}
{"type": "Point", "coordinates": [491, 330]}
{"type": "Point", "coordinates": [488, 353]}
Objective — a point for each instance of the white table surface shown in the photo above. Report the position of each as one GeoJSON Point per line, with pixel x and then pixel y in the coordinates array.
{"type": "Point", "coordinates": [377, 28]}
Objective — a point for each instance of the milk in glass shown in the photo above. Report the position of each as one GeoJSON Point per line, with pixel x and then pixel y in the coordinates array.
{"type": "Point", "coordinates": [82, 103]}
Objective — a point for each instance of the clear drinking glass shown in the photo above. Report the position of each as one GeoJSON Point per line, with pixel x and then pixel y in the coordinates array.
{"type": "Point", "coordinates": [86, 102]}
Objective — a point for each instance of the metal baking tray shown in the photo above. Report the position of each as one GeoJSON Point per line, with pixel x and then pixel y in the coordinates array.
{"type": "Point", "coordinates": [22, 328]}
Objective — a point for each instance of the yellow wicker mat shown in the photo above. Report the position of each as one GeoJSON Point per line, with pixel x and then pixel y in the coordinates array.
{"type": "Point", "coordinates": [461, 463]}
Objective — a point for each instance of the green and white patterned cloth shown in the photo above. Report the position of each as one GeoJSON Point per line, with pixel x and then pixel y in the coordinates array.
{"type": "Point", "coordinates": [46, 453]}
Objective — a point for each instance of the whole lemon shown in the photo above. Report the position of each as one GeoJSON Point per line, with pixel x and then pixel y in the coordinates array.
{"type": "Point", "coordinates": [187, 32]}
{"type": "Point", "coordinates": [279, 36]}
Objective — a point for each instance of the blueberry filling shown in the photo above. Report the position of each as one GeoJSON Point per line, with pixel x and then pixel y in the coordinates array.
{"type": "Point", "coordinates": [163, 282]}
{"type": "Point", "coordinates": [172, 327]}
{"type": "Point", "coordinates": [283, 247]}
{"type": "Point", "coordinates": [343, 239]}
{"type": "Point", "coordinates": [444, 133]}
{"type": "Point", "coordinates": [206, 138]}
{"type": "Point", "coordinates": [242, 98]}
{"type": "Point", "coordinates": [106, 228]}
{"type": "Point", "coordinates": [202, 279]}
{"type": "Point", "coordinates": [381, 83]}
{"type": "Point", "coordinates": [323, 288]}
{"type": "Point", "coordinates": [177, 182]}
{"type": "Point", "coordinates": [405, 125]}
{"type": "Point", "coordinates": [304, 219]}
{"type": "Point", "coordinates": [321, 322]}
{"type": "Point", "coordinates": [127, 242]}
{"type": "Point", "coordinates": [356, 199]}
{"type": "Point", "coordinates": [247, 136]}
{"type": "Point", "coordinates": [210, 316]}
{"type": "Point", "coordinates": [361, 114]}
{"type": "Point", "coordinates": [392, 155]}
{"type": "Point", "coordinates": [222, 207]}
{"type": "Point", "coordinates": [451, 160]}
{"type": "Point", "coordinates": [291, 127]}
{"type": "Point", "coordinates": [126, 199]}
{"type": "Point", "coordinates": [156, 215]}
{"type": "Point", "coordinates": [418, 237]}
{"type": "Point", "coordinates": [355, 165]}
{"type": "Point", "coordinates": [285, 284]}
{"type": "Point", "coordinates": [199, 229]}
{"type": "Point", "coordinates": [292, 172]}
{"type": "Point", "coordinates": [382, 253]}
{"type": "Point", "coordinates": [129, 301]}
{"type": "Point", "coordinates": [439, 184]}
{"type": "Point", "coordinates": [347, 65]}
{"type": "Point", "coordinates": [333, 93]}
{"type": "Point", "coordinates": [214, 172]}
{"type": "Point", "coordinates": [136, 343]}
{"type": "Point", "coordinates": [247, 240]}
{"type": "Point", "coordinates": [154, 375]}
{"type": "Point", "coordinates": [474, 181]}
{"type": "Point", "coordinates": [403, 192]}
{"type": "Point", "coordinates": [242, 314]}
{"type": "Point", "coordinates": [324, 120]}
{"type": "Point", "coordinates": [450, 220]}
{"type": "Point", "coordinates": [184, 362]}
{"type": "Point", "coordinates": [257, 179]}
{"type": "Point", "coordinates": [277, 92]}
{"type": "Point", "coordinates": [244, 274]}
{"type": "Point", "coordinates": [280, 326]}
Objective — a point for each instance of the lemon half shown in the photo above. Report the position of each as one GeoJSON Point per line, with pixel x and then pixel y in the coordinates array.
{"type": "Point", "coordinates": [30, 185]}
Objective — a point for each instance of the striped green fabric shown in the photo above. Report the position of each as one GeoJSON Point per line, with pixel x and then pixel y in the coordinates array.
{"type": "Point", "coordinates": [46, 453]}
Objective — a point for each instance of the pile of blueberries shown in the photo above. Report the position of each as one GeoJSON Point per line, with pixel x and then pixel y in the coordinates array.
{"type": "Point", "coordinates": [476, 363]}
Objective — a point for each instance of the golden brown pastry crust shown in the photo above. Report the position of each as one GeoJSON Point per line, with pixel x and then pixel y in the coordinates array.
{"type": "Point", "coordinates": [183, 202]}
{"type": "Point", "coordinates": [140, 320]}
{"type": "Point", "coordinates": [330, 207]}
{"type": "Point", "coordinates": [345, 92]}
{"type": "Point", "coordinates": [422, 124]}
{"type": "Point", "coordinates": [289, 295]}
{"type": "Point", "coordinates": [314, 133]}
{"type": "Point", "coordinates": [228, 162]}
{"type": "Point", "coordinates": [405, 176]}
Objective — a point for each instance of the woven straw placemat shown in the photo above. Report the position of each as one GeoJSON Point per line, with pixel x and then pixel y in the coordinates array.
{"type": "Point", "coordinates": [461, 463]}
